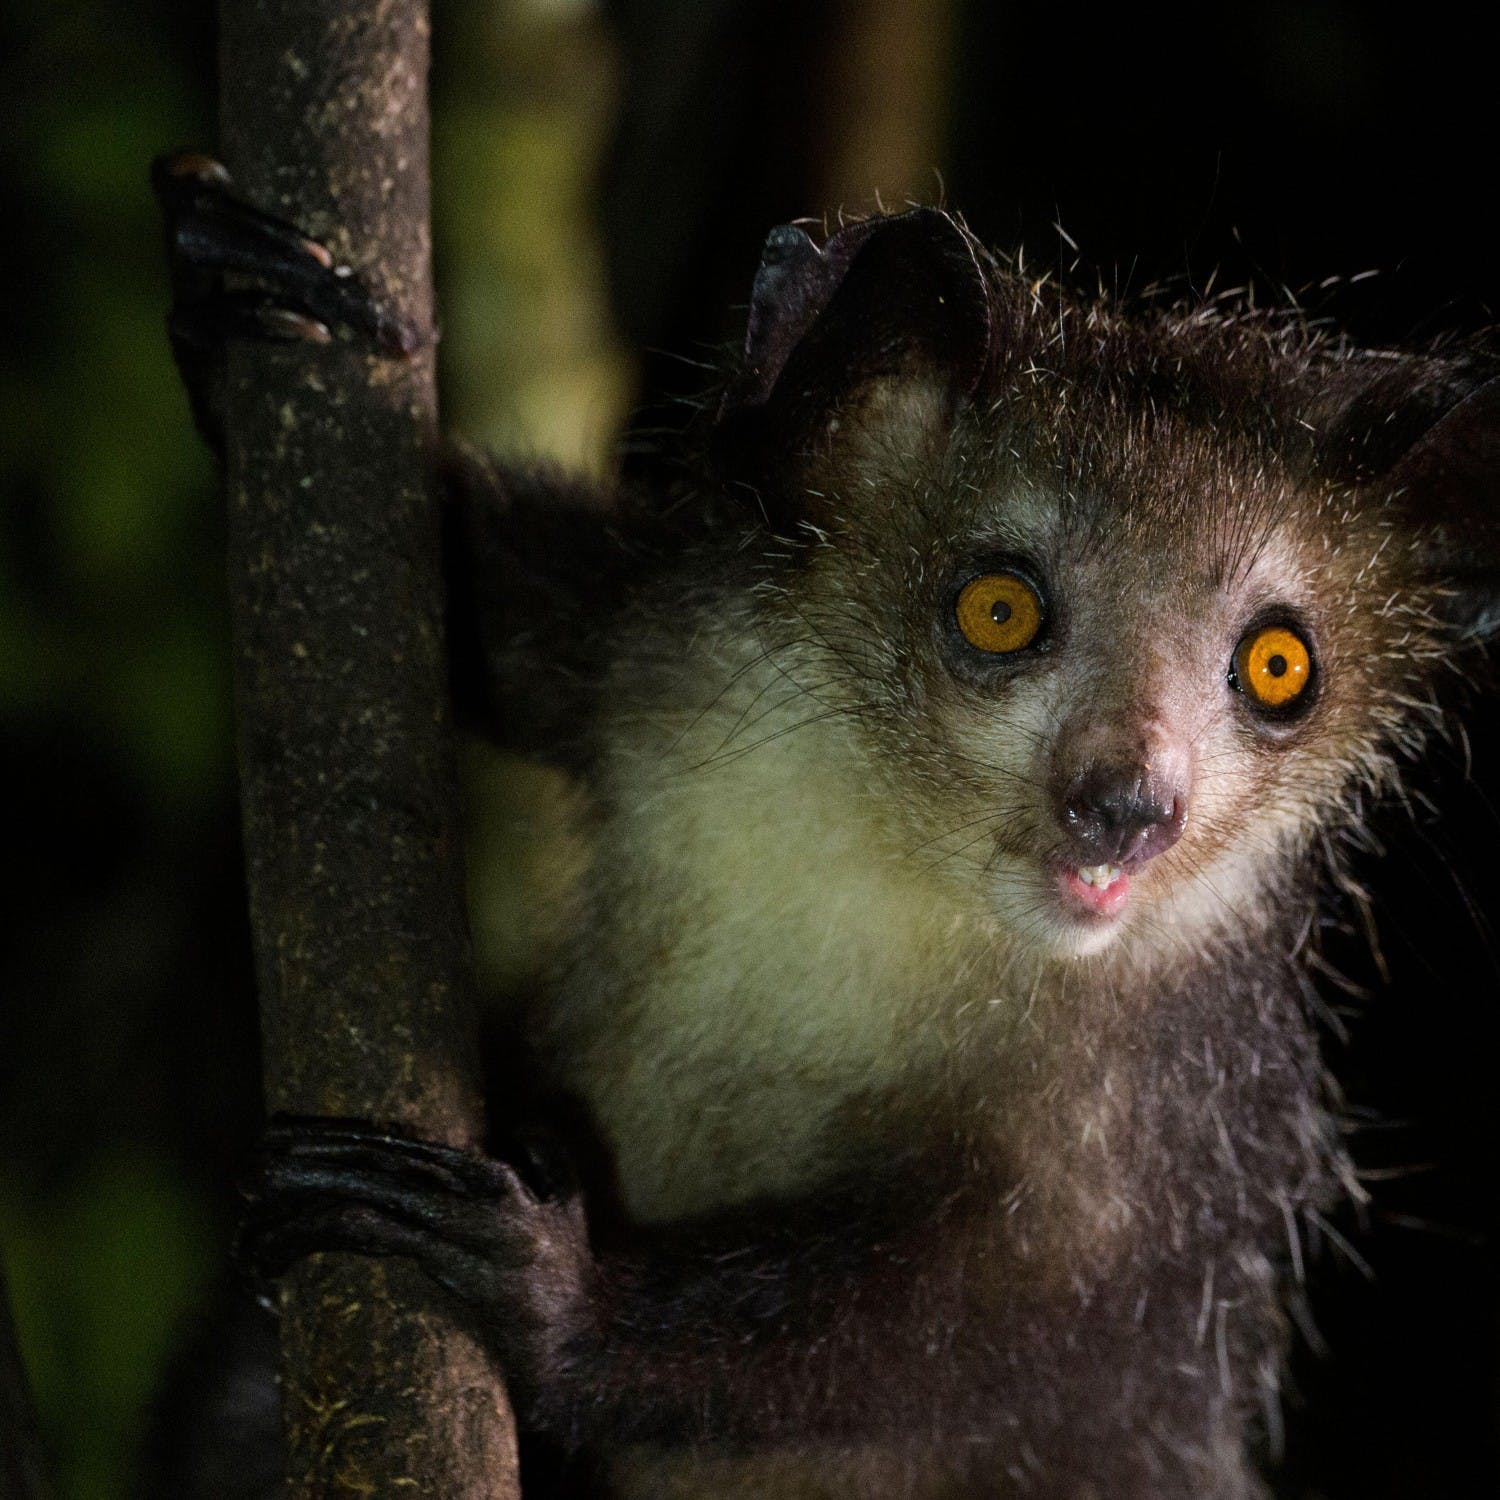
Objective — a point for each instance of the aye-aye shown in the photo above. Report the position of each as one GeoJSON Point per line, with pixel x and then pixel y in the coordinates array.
{"type": "Point", "coordinates": [956, 751]}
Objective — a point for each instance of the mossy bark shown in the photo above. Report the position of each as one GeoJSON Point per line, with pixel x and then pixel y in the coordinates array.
{"type": "Point", "coordinates": [345, 747]}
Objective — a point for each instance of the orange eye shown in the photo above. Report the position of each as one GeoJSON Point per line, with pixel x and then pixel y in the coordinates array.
{"type": "Point", "coordinates": [1273, 666]}
{"type": "Point", "coordinates": [999, 612]}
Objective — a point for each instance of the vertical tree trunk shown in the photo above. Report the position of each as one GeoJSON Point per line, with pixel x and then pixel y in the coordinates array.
{"type": "Point", "coordinates": [346, 755]}
{"type": "Point", "coordinates": [889, 71]}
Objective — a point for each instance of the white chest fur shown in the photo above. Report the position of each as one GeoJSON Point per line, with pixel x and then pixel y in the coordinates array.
{"type": "Point", "coordinates": [770, 954]}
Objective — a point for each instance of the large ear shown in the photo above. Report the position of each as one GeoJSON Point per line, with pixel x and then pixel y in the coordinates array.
{"type": "Point", "coordinates": [1446, 487]}
{"type": "Point", "coordinates": [891, 303]}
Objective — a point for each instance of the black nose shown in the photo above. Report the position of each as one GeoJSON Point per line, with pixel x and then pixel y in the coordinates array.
{"type": "Point", "coordinates": [1116, 815]}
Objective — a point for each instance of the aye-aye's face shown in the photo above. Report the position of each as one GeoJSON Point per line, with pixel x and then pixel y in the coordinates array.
{"type": "Point", "coordinates": [1124, 612]}
{"type": "Point", "coordinates": [1115, 705]}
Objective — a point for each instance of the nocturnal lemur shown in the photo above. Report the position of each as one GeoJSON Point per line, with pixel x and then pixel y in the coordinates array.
{"type": "Point", "coordinates": [956, 751]}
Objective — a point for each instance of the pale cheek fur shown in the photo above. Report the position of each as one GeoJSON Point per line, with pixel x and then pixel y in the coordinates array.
{"type": "Point", "coordinates": [801, 956]}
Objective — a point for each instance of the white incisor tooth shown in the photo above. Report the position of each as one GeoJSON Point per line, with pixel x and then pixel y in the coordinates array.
{"type": "Point", "coordinates": [1099, 875]}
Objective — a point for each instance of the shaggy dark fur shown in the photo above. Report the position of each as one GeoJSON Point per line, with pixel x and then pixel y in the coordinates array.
{"type": "Point", "coordinates": [907, 1181]}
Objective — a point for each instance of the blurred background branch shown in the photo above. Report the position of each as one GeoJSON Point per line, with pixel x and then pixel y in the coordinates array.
{"type": "Point", "coordinates": [20, 1443]}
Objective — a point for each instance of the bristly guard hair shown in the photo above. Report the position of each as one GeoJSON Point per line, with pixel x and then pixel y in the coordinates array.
{"type": "Point", "coordinates": [933, 976]}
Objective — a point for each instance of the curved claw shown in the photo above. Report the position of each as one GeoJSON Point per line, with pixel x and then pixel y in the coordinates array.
{"type": "Point", "coordinates": [358, 1146]}
{"type": "Point", "coordinates": [211, 231]}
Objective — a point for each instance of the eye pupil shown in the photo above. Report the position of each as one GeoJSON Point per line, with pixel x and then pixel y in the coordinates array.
{"type": "Point", "coordinates": [1277, 666]}
{"type": "Point", "coordinates": [1000, 612]}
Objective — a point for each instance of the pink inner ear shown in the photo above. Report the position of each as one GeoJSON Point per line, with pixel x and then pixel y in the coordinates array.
{"type": "Point", "coordinates": [886, 423]}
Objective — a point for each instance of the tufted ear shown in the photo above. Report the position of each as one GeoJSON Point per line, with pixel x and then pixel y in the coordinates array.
{"type": "Point", "coordinates": [1447, 488]}
{"type": "Point", "coordinates": [893, 304]}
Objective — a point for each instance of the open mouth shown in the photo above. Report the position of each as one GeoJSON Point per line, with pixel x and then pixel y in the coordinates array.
{"type": "Point", "coordinates": [1095, 890]}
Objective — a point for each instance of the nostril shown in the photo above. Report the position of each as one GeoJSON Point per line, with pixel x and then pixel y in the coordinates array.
{"type": "Point", "coordinates": [1165, 832]}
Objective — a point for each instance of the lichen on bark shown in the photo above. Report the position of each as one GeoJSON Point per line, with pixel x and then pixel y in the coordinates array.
{"type": "Point", "coordinates": [345, 749]}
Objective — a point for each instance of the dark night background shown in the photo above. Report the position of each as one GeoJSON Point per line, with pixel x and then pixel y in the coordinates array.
{"type": "Point", "coordinates": [604, 174]}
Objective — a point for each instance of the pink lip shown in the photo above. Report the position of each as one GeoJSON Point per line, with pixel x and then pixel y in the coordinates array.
{"type": "Point", "coordinates": [1090, 898]}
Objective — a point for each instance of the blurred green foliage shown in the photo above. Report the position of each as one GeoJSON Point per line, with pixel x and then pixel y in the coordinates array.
{"type": "Point", "coordinates": [95, 447]}
{"type": "Point", "coordinates": [115, 715]}
{"type": "Point", "coordinates": [105, 1276]}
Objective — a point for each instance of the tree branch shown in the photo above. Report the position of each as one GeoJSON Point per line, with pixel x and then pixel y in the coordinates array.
{"type": "Point", "coordinates": [346, 756]}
